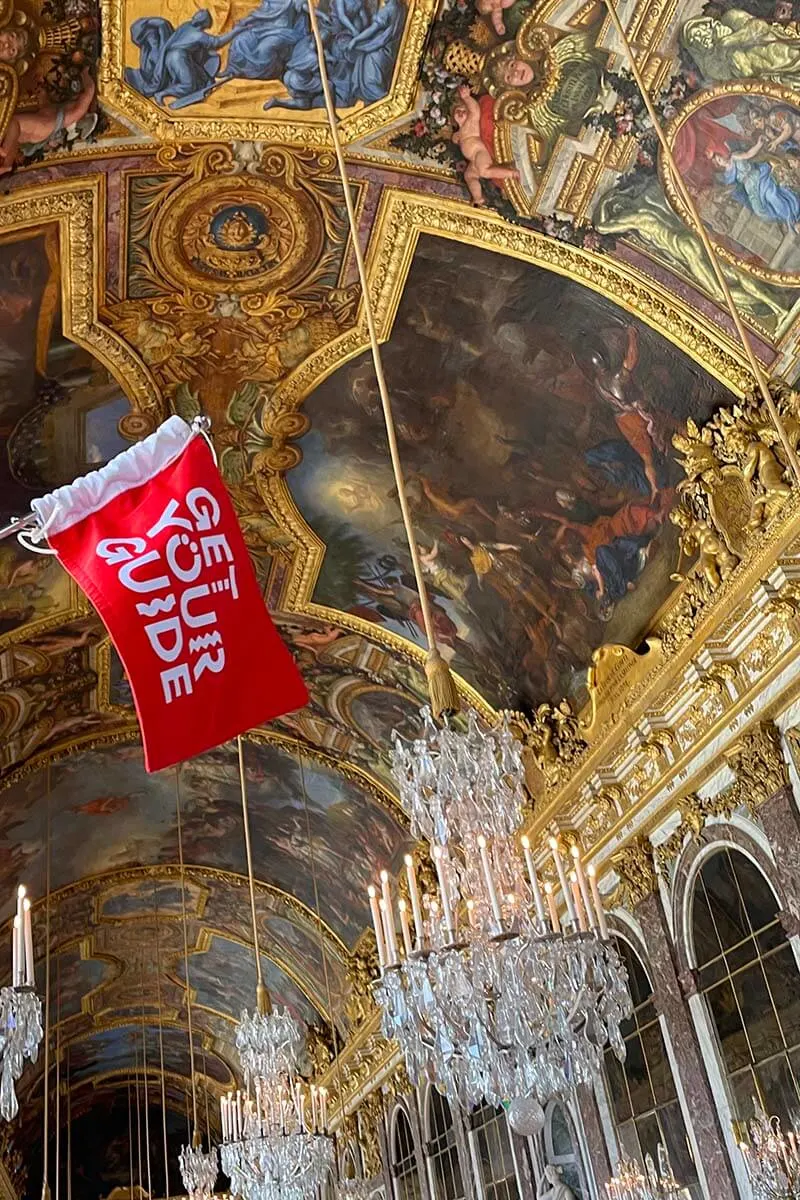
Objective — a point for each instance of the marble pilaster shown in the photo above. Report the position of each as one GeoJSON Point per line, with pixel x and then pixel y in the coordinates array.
{"type": "Point", "coordinates": [670, 1000]}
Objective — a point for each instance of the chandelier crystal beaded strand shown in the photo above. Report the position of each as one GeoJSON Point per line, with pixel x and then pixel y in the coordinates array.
{"type": "Point", "coordinates": [20, 1009]}
{"type": "Point", "coordinates": [490, 994]}
{"type": "Point", "coordinates": [275, 1144]}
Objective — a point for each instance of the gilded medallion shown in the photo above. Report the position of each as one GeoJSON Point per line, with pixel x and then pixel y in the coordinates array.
{"type": "Point", "coordinates": [243, 233]}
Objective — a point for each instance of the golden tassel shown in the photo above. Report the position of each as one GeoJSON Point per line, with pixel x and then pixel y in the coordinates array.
{"type": "Point", "coordinates": [441, 685]}
{"type": "Point", "coordinates": [263, 1001]}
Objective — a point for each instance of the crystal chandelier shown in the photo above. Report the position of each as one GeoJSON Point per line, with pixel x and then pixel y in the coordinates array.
{"type": "Point", "coordinates": [492, 995]}
{"type": "Point", "coordinates": [21, 1029]}
{"type": "Point", "coordinates": [654, 1183]}
{"type": "Point", "coordinates": [199, 1169]}
{"type": "Point", "coordinates": [275, 1145]}
{"type": "Point", "coordinates": [772, 1158]}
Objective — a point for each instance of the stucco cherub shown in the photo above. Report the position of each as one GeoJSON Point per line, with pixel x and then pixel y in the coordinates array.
{"type": "Point", "coordinates": [759, 463]}
{"type": "Point", "coordinates": [715, 560]}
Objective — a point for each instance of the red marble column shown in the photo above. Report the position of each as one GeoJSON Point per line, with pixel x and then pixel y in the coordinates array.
{"type": "Point", "coordinates": [780, 819]}
{"type": "Point", "coordinates": [594, 1138]}
{"type": "Point", "coordinates": [671, 1002]}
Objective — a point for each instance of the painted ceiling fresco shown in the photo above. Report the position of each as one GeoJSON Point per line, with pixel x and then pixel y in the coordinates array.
{"type": "Point", "coordinates": [173, 238]}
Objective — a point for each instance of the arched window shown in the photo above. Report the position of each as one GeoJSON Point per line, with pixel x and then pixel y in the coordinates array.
{"type": "Point", "coordinates": [442, 1150]}
{"type": "Point", "coordinates": [492, 1144]}
{"type": "Point", "coordinates": [644, 1100]}
{"type": "Point", "coordinates": [749, 977]}
{"type": "Point", "coordinates": [561, 1148]}
{"type": "Point", "coordinates": [404, 1160]}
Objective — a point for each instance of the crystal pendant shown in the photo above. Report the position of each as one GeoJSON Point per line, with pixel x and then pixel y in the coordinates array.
{"type": "Point", "coordinates": [21, 1023]}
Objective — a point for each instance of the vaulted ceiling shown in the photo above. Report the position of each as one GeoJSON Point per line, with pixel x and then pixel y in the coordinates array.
{"type": "Point", "coordinates": [173, 239]}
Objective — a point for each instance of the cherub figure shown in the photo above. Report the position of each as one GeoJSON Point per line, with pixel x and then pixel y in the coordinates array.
{"type": "Point", "coordinates": [493, 9]}
{"type": "Point", "coordinates": [715, 561]}
{"type": "Point", "coordinates": [760, 463]}
{"type": "Point", "coordinates": [480, 164]}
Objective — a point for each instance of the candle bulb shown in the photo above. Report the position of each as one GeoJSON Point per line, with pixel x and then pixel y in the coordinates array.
{"type": "Point", "coordinates": [222, 1117]}
{"type": "Point", "coordinates": [584, 886]}
{"type": "Point", "coordinates": [533, 879]}
{"type": "Point", "coordinates": [598, 902]}
{"type": "Point", "coordinates": [562, 879]}
{"type": "Point", "coordinates": [413, 892]}
{"type": "Point", "coordinates": [387, 909]}
{"type": "Point", "coordinates": [551, 904]}
{"type": "Point", "coordinates": [441, 873]}
{"type": "Point", "coordinates": [313, 1108]}
{"type": "Point", "coordinates": [405, 927]}
{"type": "Point", "coordinates": [497, 912]}
{"type": "Point", "coordinates": [378, 923]}
{"type": "Point", "coordinates": [583, 924]}
{"type": "Point", "coordinates": [323, 1103]}
{"type": "Point", "coordinates": [28, 936]}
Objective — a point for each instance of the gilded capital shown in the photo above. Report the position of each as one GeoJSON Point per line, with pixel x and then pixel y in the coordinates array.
{"type": "Point", "coordinates": [760, 767]}
{"type": "Point", "coordinates": [635, 866]}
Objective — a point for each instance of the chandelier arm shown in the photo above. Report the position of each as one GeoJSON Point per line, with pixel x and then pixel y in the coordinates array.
{"type": "Point", "coordinates": [444, 695]}
{"type": "Point", "coordinates": [186, 951]}
{"type": "Point", "coordinates": [708, 246]}
{"type": "Point", "coordinates": [263, 1002]}
{"type": "Point", "coordinates": [161, 1039]}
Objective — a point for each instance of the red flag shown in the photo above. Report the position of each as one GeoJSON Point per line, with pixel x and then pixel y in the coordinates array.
{"type": "Point", "coordinates": [153, 540]}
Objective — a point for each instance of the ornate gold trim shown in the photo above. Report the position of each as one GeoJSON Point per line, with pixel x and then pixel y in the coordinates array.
{"type": "Point", "coordinates": [77, 207]}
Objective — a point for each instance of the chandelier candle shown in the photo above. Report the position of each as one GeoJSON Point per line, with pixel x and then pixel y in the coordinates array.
{"type": "Point", "coordinates": [598, 902]}
{"type": "Point", "coordinates": [555, 924]}
{"type": "Point", "coordinates": [562, 879]}
{"type": "Point", "coordinates": [405, 928]}
{"type": "Point", "coordinates": [583, 924]}
{"type": "Point", "coordinates": [387, 910]}
{"type": "Point", "coordinates": [374, 908]}
{"type": "Point", "coordinates": [444, 891]}
{"type": "Point", "coordinates": [533, 879]}
{"type": "Point", "coordinates": [413, 891]}
{"type": "Point", "coordinates": [497, 912]}
{"type": "Point", "coordinates": [584, 887]}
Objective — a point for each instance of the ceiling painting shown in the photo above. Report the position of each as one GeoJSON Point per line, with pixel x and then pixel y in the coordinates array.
{"type": "Point", "coordinates": [543, 509]}
{"type": "Point", "coordinates": [107, 813]}
{"type": "Point", "coordinates": [559, 140]}
{"type": "Point", "coordinates": [227, 968]}
{"type": "Point", "coordinates": [245, 69]}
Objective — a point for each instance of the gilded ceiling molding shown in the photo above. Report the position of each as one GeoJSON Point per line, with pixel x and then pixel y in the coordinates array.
{"type": "Point", "coordinates": [77, 207]}
{"type": "Point", "coordinates": [171, 871]}
{"type": "Point", "coordinates": [637, 873]}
